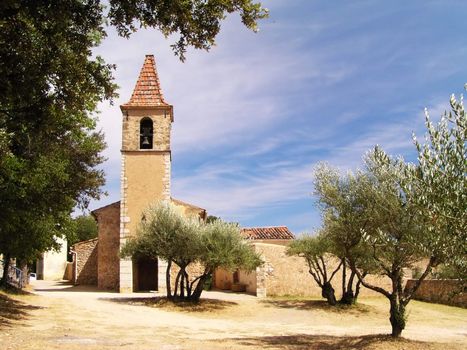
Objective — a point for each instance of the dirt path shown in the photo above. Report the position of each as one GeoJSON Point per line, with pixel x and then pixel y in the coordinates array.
{"type": "Point", "coordinates": [65, 317]}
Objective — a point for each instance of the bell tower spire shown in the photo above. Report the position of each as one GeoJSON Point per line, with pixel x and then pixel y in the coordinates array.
{"type": "Point", "coordinates": [147, 91]}
{"type": "Point", "coordinates": [146, 169]}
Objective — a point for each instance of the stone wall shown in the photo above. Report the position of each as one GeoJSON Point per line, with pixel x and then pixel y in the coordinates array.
{"type": "Point", "coordinates": [440, 291]}
{"type": "Point", "coordinates": [86, 262]}
{"type": "Point", "coordinates": [162, 123]}
{"type": "Point", "coordinates": [193, 270]}
{"type": "Point", "coordinates": [108, 267]}
{"type": "Point", "coordinates": [288, 275]}
{"type": "Point", "coordinates": [145, 177]}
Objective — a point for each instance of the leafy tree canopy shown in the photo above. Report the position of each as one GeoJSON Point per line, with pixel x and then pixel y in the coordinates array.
{"type": "Point", "coordinates": [51, 85]}
{"type": "Point", "coordinates": [85, 227]}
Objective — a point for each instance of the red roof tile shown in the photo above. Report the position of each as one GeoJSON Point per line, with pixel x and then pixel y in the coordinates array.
{"type": "Point", "coordinates": [147, 90]}
{"type": "Point", "coordinates": [277, 232]}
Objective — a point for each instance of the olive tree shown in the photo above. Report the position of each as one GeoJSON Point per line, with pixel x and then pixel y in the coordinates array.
{"type": "Point", "coordinates": [441, 184]}
{"type": "Point", "coordinates": [316, 250]}
{"type": "Point", "coordinates": [222, 246]}
{"type": "Point", "coordinates": [374, 217]}
{"type": "Point", "coordinates": [343, 220]}
{"type": "Point", "coordinates": [165, 233]}
{"type": "Point", "coordinates": [397, 235]}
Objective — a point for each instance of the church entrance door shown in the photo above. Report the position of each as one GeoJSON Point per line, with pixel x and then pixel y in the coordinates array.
{"type": "Point", "coordinates": [147, 274]}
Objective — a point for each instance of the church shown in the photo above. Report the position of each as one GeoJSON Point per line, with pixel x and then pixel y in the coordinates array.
{"type": "Point", "coordinates": [146, 178]}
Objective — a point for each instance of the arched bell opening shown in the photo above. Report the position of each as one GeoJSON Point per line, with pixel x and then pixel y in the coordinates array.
{"type": "Point", "coordinates": [146, 133]}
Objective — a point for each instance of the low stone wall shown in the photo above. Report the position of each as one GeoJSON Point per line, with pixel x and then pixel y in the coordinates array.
{"type": "Point", "coordinates": [447, 292]}
{"type": "Point", "coordinates": [86, 262]}
{"type": "Point", "coordinates": [288, 275]}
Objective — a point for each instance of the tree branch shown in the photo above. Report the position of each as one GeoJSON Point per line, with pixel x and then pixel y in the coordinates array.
{"type": "Point", "coordinates": [370, 286]}
{"type": "Point", "coordinates": [334, 272]}
{"type": "Point", "coordinates": [408, 293]}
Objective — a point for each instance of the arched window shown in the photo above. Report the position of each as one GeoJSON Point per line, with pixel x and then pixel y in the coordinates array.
{"type": "Point", "coordinates": [145, 133]}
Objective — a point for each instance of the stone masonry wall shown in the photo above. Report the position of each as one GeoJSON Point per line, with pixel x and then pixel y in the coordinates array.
{"type": "Point", "coordinates": [86, 260]}
{"type": "Point", "coordinates": [288, 275]}
{"type": "Point", "coordinates": [162, 124]}
{"type": "Point", "coordinates": [108, 267]}
{"type": "Point", "coordinates": [193, 270]}
{"type": "Point", "coordinates": [145, 178]}
{"type": "Point", "coordinates": [447, 292]}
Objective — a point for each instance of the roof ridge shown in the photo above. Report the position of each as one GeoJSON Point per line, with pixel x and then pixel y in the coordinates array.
{"type": "Point", "coordinates": [264, 227]}
{"type": "Point", "coordinates": [147, 91]}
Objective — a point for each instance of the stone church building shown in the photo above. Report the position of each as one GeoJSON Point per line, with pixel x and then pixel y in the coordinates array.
{"type": "Point", "coordinates": [145, 178]}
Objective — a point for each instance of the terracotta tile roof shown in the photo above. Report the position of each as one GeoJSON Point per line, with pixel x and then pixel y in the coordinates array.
{"type": "Point", "coordinates": [147, 90]}
{"type": "Point", "coordinates": [276, 232]}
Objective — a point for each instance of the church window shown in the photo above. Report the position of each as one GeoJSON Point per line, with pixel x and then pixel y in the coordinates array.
{"type": "Point", "coordinates": [145, 133]}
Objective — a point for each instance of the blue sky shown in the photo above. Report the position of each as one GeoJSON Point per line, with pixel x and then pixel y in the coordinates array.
{"type": "Point", "coordinates": [321, 81]}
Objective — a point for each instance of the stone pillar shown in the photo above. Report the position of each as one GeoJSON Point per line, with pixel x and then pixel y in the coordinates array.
{"type": "Point", "coordinates": [167, 176]}
{"type": "Point", "coordinates": [161, 273]}
{"type": "Point", "coordinates": [126, 264]}
{"type": "Point", "coordinates": [126, 276]}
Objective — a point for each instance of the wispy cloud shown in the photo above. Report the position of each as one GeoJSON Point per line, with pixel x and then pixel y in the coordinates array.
{"type": "Point", "coordinates": [318, 82]}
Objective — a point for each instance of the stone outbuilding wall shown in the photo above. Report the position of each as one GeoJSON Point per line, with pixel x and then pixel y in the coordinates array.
{"type": "Point", "coordinates": [85, 262]}
{"type": "Point", "coordinates": [288, 275]}
{"type": "Point", "coordinates": [108, 265]}
{"type": "Point", "coordinates": [283, 275]}
{"type": "Point", "coordinates": [448, 292]}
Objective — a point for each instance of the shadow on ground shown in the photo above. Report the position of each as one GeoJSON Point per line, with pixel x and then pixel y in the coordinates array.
{"type": "Point", "coordinates": [325, 342]}
{"type": "Point", "coordinates": [13, 310]}
{"type": "Point", "coordinates": [67, 286]}
{"type": "Point", "coordinates": [317, 305]}
{"type": "Point", "coordinates": [204, 305]}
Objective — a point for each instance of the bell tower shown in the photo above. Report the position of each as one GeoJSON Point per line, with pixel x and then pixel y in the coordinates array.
{"type": "Point", "coordinates": [145, 172]}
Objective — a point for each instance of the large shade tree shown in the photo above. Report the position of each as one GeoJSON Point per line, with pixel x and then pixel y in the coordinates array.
{"type": "Point", "coordinates": [51, 85]}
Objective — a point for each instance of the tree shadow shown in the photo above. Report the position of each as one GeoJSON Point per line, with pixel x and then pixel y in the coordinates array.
{"type": "Point", "coordinates": [67, 286]}
{"type": "Point", "coordinates": [303, 304]}
{"type": "Point", "coordinates": [325, 342]}
{"type": "Point", "coordinates": [13, 310]}
{"type": "Point", "coordinates": [204, 305]}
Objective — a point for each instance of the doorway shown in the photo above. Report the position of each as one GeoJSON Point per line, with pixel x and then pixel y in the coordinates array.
{"type": "Point", "coordinates": [146, 274]}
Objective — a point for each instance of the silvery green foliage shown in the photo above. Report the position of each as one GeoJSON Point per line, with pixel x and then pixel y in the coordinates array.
{"type": "Point", "coordinates": [441, 183]}
{"type": "Point", "coordinates": [223, 246]}
{"type": "Point", "coordinates": [167, 234]}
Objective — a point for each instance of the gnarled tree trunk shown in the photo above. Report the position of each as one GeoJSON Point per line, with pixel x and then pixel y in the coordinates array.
{"type": "Point", "coordinates": [328, 293]}
{"type": "Point", "coordinates": [397, 316]}
{"type": "Point", "coordinates": [6, 266]}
